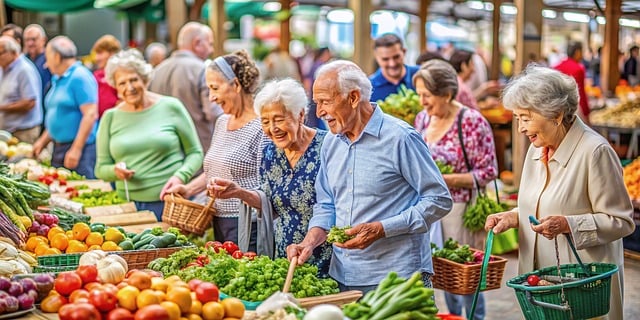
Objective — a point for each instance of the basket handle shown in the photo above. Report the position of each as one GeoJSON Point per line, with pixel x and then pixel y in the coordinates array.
{"type": "Point", "coordinates": [547, 305]}
{"type": "Point", "coordinates": [482, 284]}
{"type": "Point", "coordinates": [206, 209]}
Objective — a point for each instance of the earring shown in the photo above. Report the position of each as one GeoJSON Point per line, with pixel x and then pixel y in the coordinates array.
{"type": "Point", "coordinates": [557, 123]}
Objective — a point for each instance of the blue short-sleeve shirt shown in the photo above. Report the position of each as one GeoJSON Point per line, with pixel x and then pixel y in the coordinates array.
{"type": "Point", "coordinates": [382, 87]}
{"type": "Point", "coordinates": [75, 88]}
{"type": "Point", "coordinates": [20, 82]}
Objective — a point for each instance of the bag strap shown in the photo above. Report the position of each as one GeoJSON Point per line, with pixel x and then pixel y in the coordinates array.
{"type": "Point", "coordinates": [464, 151]}
{"type": "Point", "coordinates": [466, 158]}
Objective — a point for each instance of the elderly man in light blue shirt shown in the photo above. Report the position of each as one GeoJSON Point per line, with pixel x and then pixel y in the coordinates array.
{"type": "Point", "coordinates": [378, 177]}
{"type": "Point", "coordinates": [20, 93]}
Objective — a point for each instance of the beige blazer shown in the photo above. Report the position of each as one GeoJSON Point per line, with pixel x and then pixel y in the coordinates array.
{"type": "Point", "coordinates": [586, 186]}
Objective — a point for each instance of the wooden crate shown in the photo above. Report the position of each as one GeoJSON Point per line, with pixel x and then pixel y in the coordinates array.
{"type": "Point", "coordinates": [137, 228]}
{"type": "Point", "coordinates": [337, 299]}
{"type": "Point", "coordinates": [92, 184]}
{"type": "Point", "coordinates": [99, 211]}
{"type": "Point", "coordinates": [125, 219]}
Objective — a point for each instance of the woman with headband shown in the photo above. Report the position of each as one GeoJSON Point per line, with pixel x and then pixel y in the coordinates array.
{"type": "Point", "coordinates": [234, 153]}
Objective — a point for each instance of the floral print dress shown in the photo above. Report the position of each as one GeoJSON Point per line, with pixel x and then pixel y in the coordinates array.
{"type": "Point", "coordinates": [292, 194]}
{"type": "Point", "coordinates": [478, 142]}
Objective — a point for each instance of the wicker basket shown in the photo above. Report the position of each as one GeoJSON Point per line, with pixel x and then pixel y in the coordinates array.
{"type": "Point", "coordinates": [139, 259]}
{"type": "Point", "coordinates": [460, 278]}
{"type": "Point", "coordinates": [187, 215]}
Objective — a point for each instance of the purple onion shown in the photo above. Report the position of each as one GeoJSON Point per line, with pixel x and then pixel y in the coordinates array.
{"type": "Point", "coordinates": [43, 230]}
{"type": "Point", "coordinates": [28, 284]}
{"type": "Point", "coordinates": [3, 294]}
{"type": "Point", "coordinates": [4, 284]}
{"type": "Point", "coordinates": [15, 289]}
{"type": "Point", "coordinates": [35, 225]}
{"type": "Point", "coordinates": [39, 217]}
{"type": "Point", "coordinates": [25, 301]}
{"type": "Point", "coordinates": [3, 305]}
{"type": "Point", "coordinates": [12, 304]}
{"type": "Point", "coordinates": [33, 294]}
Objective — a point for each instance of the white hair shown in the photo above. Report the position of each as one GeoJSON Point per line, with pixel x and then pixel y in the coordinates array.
{"type": "Point", "coordinates": [350, 77]}
{"type": "Point", "coordinates": [543, 90]}
{"type": "Point", "coordinates": [128, 59]}
{"type": "Point", "coordinates": [287, 92]}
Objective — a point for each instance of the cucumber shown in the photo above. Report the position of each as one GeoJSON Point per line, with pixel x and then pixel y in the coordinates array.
{"type": "Point", "coordinates": [144, 241]}
{"type": "Point", "coordinates": [139, 236]}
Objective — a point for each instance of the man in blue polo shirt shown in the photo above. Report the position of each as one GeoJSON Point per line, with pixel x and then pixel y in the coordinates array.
{"type": "Point", "coordinates": [389, 53]}
{"type": "Point", "coordinates": [72, 110]}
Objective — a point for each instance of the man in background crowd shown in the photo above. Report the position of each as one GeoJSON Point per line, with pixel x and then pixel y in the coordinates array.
{"type": "Point", "coordinates": [35, 39]}
{"type": "Point", "coordinates": [20, 93]}
{"type": "Point", "coordinates": [392, 73]}
{"type": "Point", "coordinates": [155, 53]}
{"type": "Point", "coordinates": [182, 76]}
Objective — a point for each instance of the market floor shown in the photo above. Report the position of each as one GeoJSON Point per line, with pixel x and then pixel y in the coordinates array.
{"type": "Point", "coordinates": [502, 303]}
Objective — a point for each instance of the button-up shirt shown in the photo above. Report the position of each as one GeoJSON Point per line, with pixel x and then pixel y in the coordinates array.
{"type": "Point", "coordinates": [383, 87]}
{"type": "Point", "coordinates": [20, 82]}
{"type": "Point", "coordinates": [386, 175]}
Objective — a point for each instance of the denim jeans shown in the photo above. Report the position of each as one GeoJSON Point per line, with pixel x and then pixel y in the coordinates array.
{"type": "Point", "coordinates": [456, 302]}
{"type": "Point", "coordinates": [154, 206]}
{"type": "Point", "coordinates": [87, 161]}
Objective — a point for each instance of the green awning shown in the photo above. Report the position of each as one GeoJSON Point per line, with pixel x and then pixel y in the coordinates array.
{"type": "Point", "coordinates": [117, 4]}
{"type": "Point", "coordinates": [50, 5]}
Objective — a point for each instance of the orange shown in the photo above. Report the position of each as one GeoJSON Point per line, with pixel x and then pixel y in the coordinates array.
{"type": "Point", "coordinates": [233, 307]}
{"type": "Point", "coordinates": [196, 307]}
{"type": "Point", "coordinates": [172, 278]}
{"type": "Point", "coordinates": [43, 238]}
{"type": "Point", "coordinates": [181, 296]}
{"type": "Point", "coordinates": [212, 311]}
{"type": "Point", "coordinates": [172, 308]}
{"type": "Point", "coordinates": [140, 280]}
{"type": "Point", "coordinates": [51, 251]}
{"type": "Point", "coordinates": [194, 317]}
{"type": "Point", "coordinates": [110, 246]}
{"type": "Point", "coordinates": [81, 231]}
{"type": "Point", "coordinates": [32, 243]}
{"type": "Point", "coordinates": [60, 241]}
{"type": "Point", "coordinates": [127, 297]}
{"type": "Point", "coordinates": [176, 284]}
{"type": "Point", "coordinates": [157, 283]}
{"type": "Point", "coordinates": [161, 295]}
{"type": "Point", "coordinates": [41, 248]}
{"type": "Point", "coordinates": [76, 246]}
{"type": "Point", "coordinates": [94, 238]}
{"type": "Point", "coordinates": [54, 231]}
{"type": "Point", "coordinates": [69, 234]}
{"type": "Point", "coordinates": [94, 247]}
{"type": "Point", "coordinates": [147, 298]}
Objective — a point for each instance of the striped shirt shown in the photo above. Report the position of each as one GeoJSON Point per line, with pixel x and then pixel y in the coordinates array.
{"type": "Point", "coordinates": [234, 155]}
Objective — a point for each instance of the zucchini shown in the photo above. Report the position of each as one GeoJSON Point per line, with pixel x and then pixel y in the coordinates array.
{"type": "Point", "coordinates": [144, 241]}
{"type": "Point", "coordinates": [139, 235]}
{"type": "Point", "coordinates": [164, 240]}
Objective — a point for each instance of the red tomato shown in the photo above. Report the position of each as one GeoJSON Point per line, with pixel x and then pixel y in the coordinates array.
{"type": "Point", "coordinates": [79, 311]}
{"type": "Point", "coordinates": [103, 300]}
{"type": "Point", "coordinates": [237, 254]}
{"type": "Point", "coordinates": [120, 314]}
{"type": "Point", "coordinates": [92, 285]}
{"type": "Point", "coordinates": [152, 312]}
{"type": "Point", "coordinates": [88, 273]}
{"type": "Point", "coordinates": [110, 287]}
{"type": "Point", "coordinates": [206, 292]}
{"type": "Point", "coordinates": [533, 280]}
{"type": "Point", "coordinates": [194, 283]}
{"type": "Point", "coordinates": [250, 254]}
{"type": "Point", "coordinates": [67, 282]}
{"type": "Point", "coordinates": [78, 294]}
{"type": "Point", "coordinates": [230, 247]}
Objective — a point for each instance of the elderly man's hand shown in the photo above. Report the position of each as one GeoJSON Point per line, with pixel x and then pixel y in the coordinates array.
{"type": "Point", "coordinates": [72, 158]}
{"type": "Point", "coordinates": [365, 234]}
{"type": "Point", "coordinates": [552, 226]}
{"type": "Point", "coordinates": [303, 252]}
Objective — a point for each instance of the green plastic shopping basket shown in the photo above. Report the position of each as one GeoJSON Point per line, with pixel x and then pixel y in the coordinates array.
{"type": "Point", "coordinates": [587, 290]}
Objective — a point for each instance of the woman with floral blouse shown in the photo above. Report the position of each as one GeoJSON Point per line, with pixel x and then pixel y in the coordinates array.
{"type": "Point", "coordinates": [437, 84]}
{"type": "Point", "coordinates": [288, 170]}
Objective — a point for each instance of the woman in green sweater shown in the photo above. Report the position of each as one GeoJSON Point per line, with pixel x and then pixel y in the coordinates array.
{"type": "Point", "coordinates": [148, 142]}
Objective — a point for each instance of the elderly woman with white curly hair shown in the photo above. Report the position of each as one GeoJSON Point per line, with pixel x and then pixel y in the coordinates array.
{"type": "Point", "coordinates": [572, 182]}
{"type": "Point", "coordinates": [288, 168]}
{"type": "Point", "coordinates": [147, 142]}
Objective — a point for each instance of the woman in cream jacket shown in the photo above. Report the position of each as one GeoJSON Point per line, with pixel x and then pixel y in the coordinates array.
{"type": "Point", "coordinates": [571, 181]}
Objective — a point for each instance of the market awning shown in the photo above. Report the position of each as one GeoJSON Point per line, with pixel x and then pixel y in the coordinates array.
{"type": "Point", "coordinates": [51, 5]}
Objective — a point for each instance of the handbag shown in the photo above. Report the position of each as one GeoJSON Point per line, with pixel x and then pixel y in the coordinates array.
{"type": "Point", "coordinates": [506, 241]}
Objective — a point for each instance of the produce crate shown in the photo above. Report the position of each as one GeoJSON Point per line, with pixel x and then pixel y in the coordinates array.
{"type": "Point", "coordinates": [248, 305]}
{"type": "Point", "coordinates": [136, 259]}
{"type": "Point", "coordinates": [337, 299]}
{"type": "Point", "coordinates": [461, 278]}
{"type": "Point", "coordinates": [585, 298]}
{"type": "Point", "coordinates": [139, 259]}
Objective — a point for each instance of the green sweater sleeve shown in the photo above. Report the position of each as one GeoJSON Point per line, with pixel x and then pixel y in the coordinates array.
{"type": "Point", "coordinates": [105, 164]}
{"type": "Point", "coordinates": [190, 145]}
